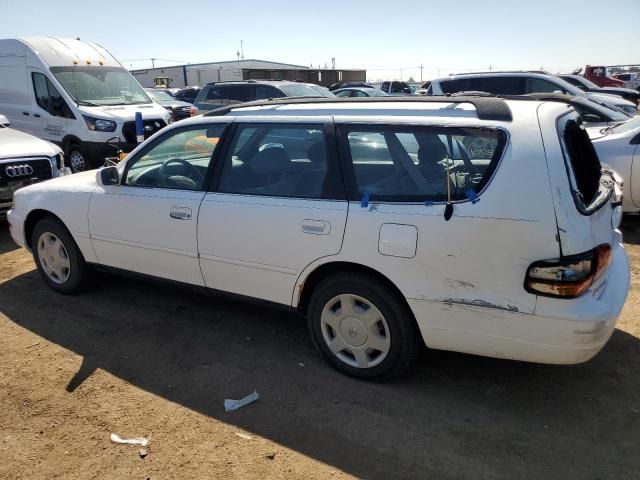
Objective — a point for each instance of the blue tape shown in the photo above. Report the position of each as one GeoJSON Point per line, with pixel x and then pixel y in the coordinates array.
{"type": "Point", "coordinates": [364, 202]}
{"type": "Point", "coordinates": [428, 203]}
{"type": "Point", "coordinates": [472, 196]}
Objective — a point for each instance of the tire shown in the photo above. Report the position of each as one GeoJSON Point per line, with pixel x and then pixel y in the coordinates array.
{"type": "Point", "coordinates": [76, 158]}
{"type": "Point", "coordinates": [58, 258]}
{"type": "Point", "coordinates": [376, 328]}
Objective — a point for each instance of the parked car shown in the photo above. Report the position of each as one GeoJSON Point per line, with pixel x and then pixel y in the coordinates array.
{"type": "Point", "coordinates": [629, 79]}
{"type": "Point", "coordinates": [322, 90]}
{"type": "Point", "coordinates": [398, 240]}
{"type": "Point", "coordinates": [187, 94]}
{"type": "Point", "coordinates": [397, 88]}
{"type": "Point", "coordinates": [75, 94]}
{"type": "Point", "coordinates": [25, 160]}
{"type": "Point", "coordinates": [359, 92]}
{"type": "Point", "coordinates": [520, 83]}
{"type": "Point", "coordinates": [588, 86]}
{"type": "Point", "coordinates": [617, 146]}
{"type": "Point", "coordinates": [222, 94]}
{"type": "Point", "coordinates": [338, 85]}
{"type": "Point", "coordinates": [179, 110]}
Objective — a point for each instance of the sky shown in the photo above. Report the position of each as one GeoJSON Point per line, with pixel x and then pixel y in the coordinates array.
{"type": "Point", "coordinates": [391, 40]}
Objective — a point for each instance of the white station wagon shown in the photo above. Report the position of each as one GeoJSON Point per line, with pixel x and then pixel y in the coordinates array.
{"type": "Point", "coordinates": [367, 215]}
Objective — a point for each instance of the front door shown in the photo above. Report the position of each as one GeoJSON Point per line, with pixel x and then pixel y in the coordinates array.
{"type": "Point", "coordinates": [147, 224]}
{"type": "Point", "coordinates": [278, 205]}
{"type": "Point", "coordinates": [49, 116]}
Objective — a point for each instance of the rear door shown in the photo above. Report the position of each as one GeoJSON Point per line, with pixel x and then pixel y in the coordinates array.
{"type": "Point", "coordinates": [582, 198]}
{"type": "Point", "coordinates": [277, 204]}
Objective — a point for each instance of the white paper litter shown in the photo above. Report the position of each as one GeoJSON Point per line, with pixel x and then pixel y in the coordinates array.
{"type": "Point", "coordinates": [230, 405]}
{"type": "Point", "coordinates": [244, 435]}
{"type": "Point", "coordinates": [142, 441]}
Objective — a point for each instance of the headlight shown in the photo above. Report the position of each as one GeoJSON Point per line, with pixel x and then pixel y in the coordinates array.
{"type": "Point", "coordinates": [99, 125]}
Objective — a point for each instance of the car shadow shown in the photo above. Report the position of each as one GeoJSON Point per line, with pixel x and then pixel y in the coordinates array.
{"type": "Point", "coordinates": [447, 417]}
{"type": "Point", "coordinates": [630, 227]}
{"type": "Point", "coordinates": [6, 242]}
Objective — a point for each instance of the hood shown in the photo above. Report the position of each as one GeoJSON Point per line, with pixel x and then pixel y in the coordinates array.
{"type": "Point", "coordinates": [611, 99]}
{"type": "Point", "coordinates": [14, 143]}
{"type": "Point", "coordinates": [616, 90]}
{"type": "Point", "coordinates": [126, 113]}
{"type": "Point", "coordinates": [78, 182]}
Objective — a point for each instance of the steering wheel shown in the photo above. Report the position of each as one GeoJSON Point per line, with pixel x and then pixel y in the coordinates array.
{"type": "Point", "coordinates": [192, 170]}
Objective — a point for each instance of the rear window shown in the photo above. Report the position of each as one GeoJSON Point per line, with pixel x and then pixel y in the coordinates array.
{"type": "Point", "coordinates": [418, 164]}
{"type": "Point", "coordinates": [583, 161]}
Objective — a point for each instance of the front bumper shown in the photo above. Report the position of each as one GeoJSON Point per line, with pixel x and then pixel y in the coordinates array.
{"type": "Point", "coordinates": [16, 228]}
{"type": "Point", "coordinates": [561, 331]}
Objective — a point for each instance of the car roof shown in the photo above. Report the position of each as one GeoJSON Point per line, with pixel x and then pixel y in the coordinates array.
{"type": "Point", "coordinates": [252, 82]}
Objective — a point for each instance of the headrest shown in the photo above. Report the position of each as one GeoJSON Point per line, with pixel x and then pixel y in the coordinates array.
{"type": "Point", "coordinates": [432, 150]}
{"type": "Point", "coordinates": [317, 153]}
{"type": "Point", "coordinates": [270, 161]}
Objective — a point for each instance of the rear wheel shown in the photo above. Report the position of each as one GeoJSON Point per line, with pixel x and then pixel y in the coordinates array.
{"type": "Point", "coordinates": [58, 258]}
{"type": "Point", "coordinates": [362, 328]}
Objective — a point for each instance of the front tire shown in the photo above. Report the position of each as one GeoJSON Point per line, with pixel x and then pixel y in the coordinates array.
{"type": "Point", "coordinates": [58, 258]}
{"type": "Point", "coordinates": [76, 157]}
{"type": "Point", "coordinates": [362, 328]}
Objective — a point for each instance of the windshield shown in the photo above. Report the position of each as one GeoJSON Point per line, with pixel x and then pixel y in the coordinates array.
{"type": "Point", "coordinates": [159, 96]}
{"type": "Point", "coordinates": [97, 86]}
{"type": "Point", "coordinates": [293, 90]}
{"type": "Point", "coordinates": [605, 112]}
{"type": "Point", "coordinates": [586, 83]}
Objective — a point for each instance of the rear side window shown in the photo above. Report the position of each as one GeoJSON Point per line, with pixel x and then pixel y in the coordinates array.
{"type": "Point", "coordinates": [281, 161]}
{"type": "Point", "coordinates": [417, 164]}
{"type": "Point", "coordinates": [583, 160]}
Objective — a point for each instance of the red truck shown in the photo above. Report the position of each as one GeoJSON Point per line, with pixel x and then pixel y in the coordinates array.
{"type": "Point", "coordinates": [600, 76]}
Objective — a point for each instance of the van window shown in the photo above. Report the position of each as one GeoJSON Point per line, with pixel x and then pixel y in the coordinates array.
{"type": "Point", "coordinates": [100, 85]}
{"type": "Point", "coordinates": [398, 163]}
{"type": "Point", "coordinates": [537, 85]}
{"type": "Point", "coordinates": [583, 160]}
{"type": "Point", "coordinates": [281, 161]}
{"type": "Point", "coordinates": [496, 85]}
{"type": "Point", "coordinates": [48, 97]}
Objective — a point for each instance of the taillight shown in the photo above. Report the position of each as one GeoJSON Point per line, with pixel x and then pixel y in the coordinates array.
{"type": "Point", "coordinates": [194, 111]}
{"type": "Point", "coordinates": [568, 277]}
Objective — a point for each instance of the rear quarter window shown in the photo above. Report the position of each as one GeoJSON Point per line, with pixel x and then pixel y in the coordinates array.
{"type": "Point", "coordinates": [418, 164]}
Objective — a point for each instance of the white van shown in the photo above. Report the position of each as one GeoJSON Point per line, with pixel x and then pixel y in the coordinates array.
{"type": "Point", "coordinates": [75, 94]}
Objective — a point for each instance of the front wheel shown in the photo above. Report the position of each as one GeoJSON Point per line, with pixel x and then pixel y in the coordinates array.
{"type": "Point", "coordinates": [362, 328]}
{"type": "Point", "coordinates": [58, 258]}
{"type": "Point", "coordinates": [77, 158]}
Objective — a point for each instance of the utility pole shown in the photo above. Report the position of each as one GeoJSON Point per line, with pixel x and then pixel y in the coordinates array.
{"type": "Point", "coordinates": [153, 63]}
{"type": "Point", "coordinates": [490, 67]}
{"type": "Point", "coordinates": [241, 50]}
{"type": "Point", "coordinates": [333, 63]}
{"type": "Point", "coordinates": [421, 67]}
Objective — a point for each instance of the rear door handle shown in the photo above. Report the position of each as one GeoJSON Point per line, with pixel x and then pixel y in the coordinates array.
{"type": "Point", "coordinates": [37, 115]}
{"type": "Point", "coordinates": [316, 227]}
{"type": "Point", "coordinates": [25, 113]}
{"type": "Point", "coordinates": [180, 213]}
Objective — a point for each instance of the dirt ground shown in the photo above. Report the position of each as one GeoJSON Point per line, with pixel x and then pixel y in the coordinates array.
{"type": "Point", "coordinates": [137, 358]}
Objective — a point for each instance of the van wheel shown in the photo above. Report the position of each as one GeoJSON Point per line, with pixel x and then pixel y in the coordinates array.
{"type": "Point", "coordinates": [77, 158]}
{"type": "Point", "coordinates": [58, 258]}
{"type": "Point", "coordinates": [362, 328]}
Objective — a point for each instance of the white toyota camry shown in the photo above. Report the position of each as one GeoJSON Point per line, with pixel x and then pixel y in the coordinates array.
{"type": "Point", "coordinates": [367, 215]}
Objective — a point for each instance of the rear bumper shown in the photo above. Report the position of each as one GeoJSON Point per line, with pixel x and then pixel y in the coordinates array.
{"type": "Point", "coordinates": [559, 332]}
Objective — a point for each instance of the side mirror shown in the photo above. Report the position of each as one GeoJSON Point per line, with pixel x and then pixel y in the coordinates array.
{"type": "Point", "coordinates": [4, 121]}
{"type": "Point", "coordinates": [590, 117]}
{"type": "Point", "coordinates": [406, 90]}
{"type": "Point", "coordinates": [108, 176]}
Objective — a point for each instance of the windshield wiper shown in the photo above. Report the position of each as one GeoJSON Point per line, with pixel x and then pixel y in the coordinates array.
{"type": "Point", "coordinates": [87, 104]}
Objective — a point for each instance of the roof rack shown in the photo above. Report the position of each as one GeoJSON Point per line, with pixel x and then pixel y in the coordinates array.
{"type": "Point", "coordinates": [487, 108]}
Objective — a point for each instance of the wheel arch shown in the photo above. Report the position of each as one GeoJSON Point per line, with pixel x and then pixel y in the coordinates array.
{"type": "Point", "coordinates": [69, 140]}
{"type": "Point", "coordinates": [308, 281]}
{"type": "Point", "coordinates": [32, 220]}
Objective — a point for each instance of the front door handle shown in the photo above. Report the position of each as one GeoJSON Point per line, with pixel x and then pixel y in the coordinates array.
{"type": "Point", "coordinates": [37, 115]}
{"type": "Point", "coordinates": [180, 213]}
{"type": "Point", "coordinates": [316, 227]}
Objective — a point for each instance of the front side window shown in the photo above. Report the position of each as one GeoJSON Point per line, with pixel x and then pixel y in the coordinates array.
{"type": "Point", "coordinates": [343, 93]}
{"type": "Point", "coordinates": [281, 161]}
{"type": "Point", "coordinates": [48, 97]}
{"type": "Point", "coordinates": [397, 163]}
{"type": "Point", "coordinates": [178, 160]}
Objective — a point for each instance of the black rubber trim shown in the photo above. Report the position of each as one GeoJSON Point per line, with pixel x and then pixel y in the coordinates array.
{"type": "Point", "coordinates": [487, 108]}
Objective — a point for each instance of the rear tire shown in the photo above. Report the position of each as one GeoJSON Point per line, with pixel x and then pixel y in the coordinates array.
{"type": "Point", "coordinates": [58, 258]}
{"type": "Point", "coordinates": [362, 328]}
